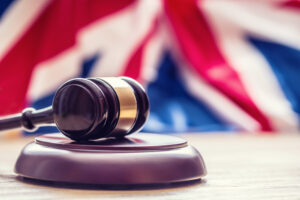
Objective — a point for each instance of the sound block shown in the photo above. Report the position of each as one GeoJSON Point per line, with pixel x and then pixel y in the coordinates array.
{"type": "Point", "coordinates": [140, 158]}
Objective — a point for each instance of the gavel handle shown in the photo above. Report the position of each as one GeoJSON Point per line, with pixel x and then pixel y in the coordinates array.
{"type": "Point", "coordinates": [28, 119]}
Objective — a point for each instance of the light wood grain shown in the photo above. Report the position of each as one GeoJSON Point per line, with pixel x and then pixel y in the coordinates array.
{"type": "Point", "coordinates": [239, 166]}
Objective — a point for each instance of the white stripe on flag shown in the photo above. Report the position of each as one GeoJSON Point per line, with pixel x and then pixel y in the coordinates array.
{"type": "Point", "coordinates": [152, 56]}
{"type": "Point", "coordinates": [201, 90]}
{"type": "Point", "coordinates": [253, 69]}
{"type": "Point", "coordinates": [119, 36]}
{"type": "Point", "coordinates": [216, 101]}
{"type": "Point", "coordinates": [49, 75]}
{"type": "Point", "coordinates": [114, 38]}
{"type": "Point", "coordinates": [16, 21]}
{"type": "Point", "coordinates": [266, 20]}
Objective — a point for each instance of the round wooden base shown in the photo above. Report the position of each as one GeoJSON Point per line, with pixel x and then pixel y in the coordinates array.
{"type": "Point", "coordinates": [137, 159]}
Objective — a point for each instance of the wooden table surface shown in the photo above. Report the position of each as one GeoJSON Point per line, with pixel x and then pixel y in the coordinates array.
{"type": "Point", "coordinates": [240, 166]}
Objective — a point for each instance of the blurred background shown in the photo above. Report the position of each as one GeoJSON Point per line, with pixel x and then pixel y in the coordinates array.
{"type": "Point", "coordinates": [207, 65]}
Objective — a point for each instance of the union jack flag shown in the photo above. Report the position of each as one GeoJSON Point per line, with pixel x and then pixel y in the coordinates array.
{"type": "Point", "coordinates": [207, 65]}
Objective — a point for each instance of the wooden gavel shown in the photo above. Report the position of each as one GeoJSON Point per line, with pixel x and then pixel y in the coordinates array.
{"type": "Point", "coordinates": [88, 109]}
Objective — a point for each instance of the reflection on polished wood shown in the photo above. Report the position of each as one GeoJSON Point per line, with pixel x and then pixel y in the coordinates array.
{"type": "Point", "coordinates": [240, 166]}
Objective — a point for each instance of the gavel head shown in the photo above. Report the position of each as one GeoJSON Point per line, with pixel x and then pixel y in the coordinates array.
{"type": "Point", "coordinates": [87, 109]}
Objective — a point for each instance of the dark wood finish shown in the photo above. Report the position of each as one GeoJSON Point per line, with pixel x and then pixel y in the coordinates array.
{"type": "Point", "coordinates": [240, 166]}
{"type": "Point", "coordinates": [138, 159]}
{"type": "Point", "coordinates": [85, 109]}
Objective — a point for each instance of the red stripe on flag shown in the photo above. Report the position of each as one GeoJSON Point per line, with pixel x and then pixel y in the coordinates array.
{"type": "Point", "coordinates": [200, 49]}
{"type": "Point", "coordinates": [53, 32]}
{"type": "Point", "coordinates": [295, 4]}
{"type": "Point", "coordinates": [134, 64]}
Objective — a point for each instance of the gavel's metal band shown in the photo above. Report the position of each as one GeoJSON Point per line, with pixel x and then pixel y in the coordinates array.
{"type": "Point", "coordinates": [128, 105]}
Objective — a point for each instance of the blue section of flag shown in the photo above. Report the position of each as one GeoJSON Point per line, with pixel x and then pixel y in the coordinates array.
{"type": "Point", "coordinates": [285, 62]}
{"type": "Point", "coordinates": [43, 102]}
{"type": "Point", "coordinates": [4, 5]}
{"type": "Point", "coordinates": [88, 65]}
{"type": "Point", "coordinates": [173, 109]}
{"type": "Point", "coordinates": [46, 101]}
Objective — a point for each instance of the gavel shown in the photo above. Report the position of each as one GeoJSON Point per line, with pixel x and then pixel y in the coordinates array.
{"type": "Point", "coordinates": [89, 109]}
